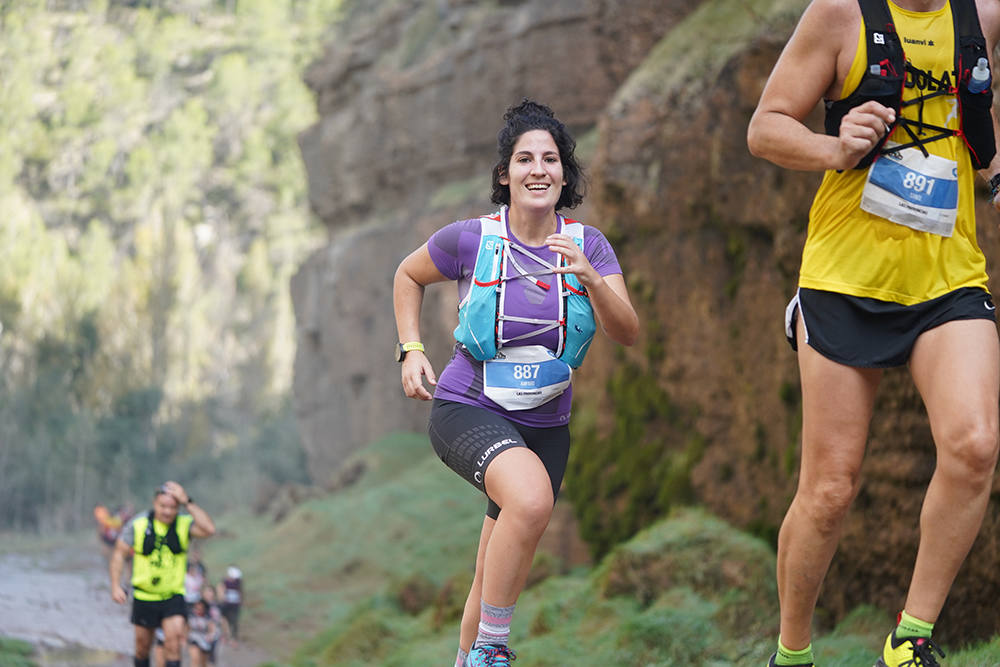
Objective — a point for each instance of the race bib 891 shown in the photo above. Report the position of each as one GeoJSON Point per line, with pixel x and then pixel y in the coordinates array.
{"type": "Point", "coordinates": [911, 189]}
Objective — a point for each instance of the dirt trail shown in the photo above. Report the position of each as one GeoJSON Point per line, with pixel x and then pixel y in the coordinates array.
{"type": "Point", "coordinates": [59, 602]}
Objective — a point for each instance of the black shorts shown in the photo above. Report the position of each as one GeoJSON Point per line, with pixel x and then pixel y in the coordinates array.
{"type": "Point", "coordinates": [869, 333]}
{"type": "Point", "coordinates": [467, 438]}
{"type": "Point", "coordinates": [150, 613]}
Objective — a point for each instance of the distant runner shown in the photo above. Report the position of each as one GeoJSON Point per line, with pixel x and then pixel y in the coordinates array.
{"type": "Point", "coordinates": [159, 541]}
{"type": "Point", "coordinates": [231, 592]}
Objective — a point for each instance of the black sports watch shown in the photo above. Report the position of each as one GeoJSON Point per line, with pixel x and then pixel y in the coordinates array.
{"type": "Point", "coordinates": [995, 184]}
{"type": "Point", "coordinates": [403, 348]}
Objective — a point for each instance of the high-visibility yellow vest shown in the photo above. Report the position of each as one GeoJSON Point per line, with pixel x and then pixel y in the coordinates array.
{"type": "Point", "coordinates": [160, 574]}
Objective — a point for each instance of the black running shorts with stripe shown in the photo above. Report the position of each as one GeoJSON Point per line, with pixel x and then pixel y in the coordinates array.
{"type": "Point", "coordinates": [467, 438]}
{"type": "Point", "coordinates": [869, 333]}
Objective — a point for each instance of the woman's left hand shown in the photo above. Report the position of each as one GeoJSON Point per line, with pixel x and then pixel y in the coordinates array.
{"type": "Point", "coordinates": [576, 262]}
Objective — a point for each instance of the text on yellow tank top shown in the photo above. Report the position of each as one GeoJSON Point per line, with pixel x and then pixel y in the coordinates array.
{"type": "Point", "coordinates": [853, 252]}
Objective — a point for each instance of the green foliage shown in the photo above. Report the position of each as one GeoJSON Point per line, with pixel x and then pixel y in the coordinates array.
{"type": "Point", "coordinates": [155, 208]}
{"type": "Point", "coordinates": [677, 630]}
{"type": "Point", "coordinates": [404, 532]}
{"type": "Point", "coordinates": [16, 653]}
{"type": "Point", "coordinates": [623, 479]}
{"type": "Point", "coordinates": [687, 590]}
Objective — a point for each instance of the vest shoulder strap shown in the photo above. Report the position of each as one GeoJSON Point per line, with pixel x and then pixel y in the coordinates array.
{"type": "Point", "coordinates": [573, 228]}
{"type": "Point", "coordinates": [492, 226]}
{"type": "Point", "coordinates": [882, 42]}
{"type": "Point", "coordinates": [966, 19]}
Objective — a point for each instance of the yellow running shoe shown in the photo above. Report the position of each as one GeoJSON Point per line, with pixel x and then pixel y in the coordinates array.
{"type": "Point", "coordinates": [770, 663]}
{"type": "Point", "coordinates": [909, 652]}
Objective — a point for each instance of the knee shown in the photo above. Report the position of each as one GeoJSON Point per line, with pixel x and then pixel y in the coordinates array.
{"type": "Point", "coordinates": [531, 509]}
{"type": "Point", "coordinates": [827, 501]}
{"type": "Point", "coordinates": [142, 649]}
{"type": "Point", "coordinates": [174, 638]}
{"type": "Point", "coordinates": [971, 454]}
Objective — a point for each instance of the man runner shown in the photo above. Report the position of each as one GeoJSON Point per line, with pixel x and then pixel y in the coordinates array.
{"type": "Point", "coordinates": [159, 541]}
{"type": "Point", "coordinates": [891, 274]}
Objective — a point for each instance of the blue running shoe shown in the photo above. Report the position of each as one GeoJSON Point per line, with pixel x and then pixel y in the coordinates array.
{"type": "Point", "coordinates": [490, 655]}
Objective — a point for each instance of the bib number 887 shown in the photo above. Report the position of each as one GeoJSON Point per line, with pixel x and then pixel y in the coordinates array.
{"type": "Point", "coordinates": [918, 182]}
{"type": "Point", "coordinates": [525, 371]}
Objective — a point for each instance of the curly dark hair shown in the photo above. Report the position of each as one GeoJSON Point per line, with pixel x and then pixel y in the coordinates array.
{"type": "Point", "coordinates": [527, 116]}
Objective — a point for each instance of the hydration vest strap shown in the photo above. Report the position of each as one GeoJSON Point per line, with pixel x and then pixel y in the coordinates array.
{"type": "Point", "coordinates": [489, 284]}
{"type": "Point", "coordinates": [974, 108]}
{"type": "Point", "coordinates": [530, 275]}
{"type": "Point", "coordinates": [508, 255]}
{"type": "Point", "coordinates": [549, 326]}
{"type": "Point", "coordinates": [969, 40]}
{"type": "Point", "coordinates": [172, 540]}
{"type": "Point", "coordinates": [499, 260]}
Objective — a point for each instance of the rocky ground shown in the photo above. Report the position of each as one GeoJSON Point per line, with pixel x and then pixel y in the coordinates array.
{"type": "Point", "coordinates": [59, 602]}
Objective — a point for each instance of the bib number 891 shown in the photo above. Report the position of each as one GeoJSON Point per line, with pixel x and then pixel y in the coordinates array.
{"type": "Point", "coordinates": [918, 182]}
{"type": "Point", "coordinates": [525, 371]}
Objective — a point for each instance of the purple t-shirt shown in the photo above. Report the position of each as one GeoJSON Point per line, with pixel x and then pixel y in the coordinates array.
{"type": "Point", "coordinates": [453, 250]}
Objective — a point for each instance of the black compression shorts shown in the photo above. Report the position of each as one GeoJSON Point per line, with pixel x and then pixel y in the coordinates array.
{"type": "Point", "coordinates": [467, 438]}
{"type": "Point", "coordinates": [869, 333]}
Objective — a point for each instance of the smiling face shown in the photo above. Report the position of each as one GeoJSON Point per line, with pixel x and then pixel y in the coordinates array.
{"type": "Point", "coordinates": [535, 172]}
{"type": "Point", "coordinates": [164, 508]}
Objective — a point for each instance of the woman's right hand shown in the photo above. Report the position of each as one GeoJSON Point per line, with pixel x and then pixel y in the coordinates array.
{"type": "Point", "coordinates": [415, 367]}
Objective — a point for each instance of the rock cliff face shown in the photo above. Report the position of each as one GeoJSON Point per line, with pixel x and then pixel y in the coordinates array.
{"type": "Point", "coordinates": [411, 97]}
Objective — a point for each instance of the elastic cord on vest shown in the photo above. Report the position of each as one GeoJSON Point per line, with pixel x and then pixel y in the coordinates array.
{"type": "Point", "coordinates": [888, 71]}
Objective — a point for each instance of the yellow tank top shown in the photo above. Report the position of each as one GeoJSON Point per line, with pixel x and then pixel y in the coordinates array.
{"type": "Point", "coordinates": [853, 252]}
{"type": "Point", "coordinates": [160, 574]}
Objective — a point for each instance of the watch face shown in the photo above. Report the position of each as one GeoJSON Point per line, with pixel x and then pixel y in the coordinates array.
{"type": "Point", "coordinates": [400, 353]}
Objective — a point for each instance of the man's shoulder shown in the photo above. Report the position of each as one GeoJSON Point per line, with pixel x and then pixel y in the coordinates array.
{"type": "Point", "coordinates": [837, 14]}
{"type": "Point", "coordinates": [989, 19]}
{"type": "Point", "coordinates": [833, 16]}
{"type": "Point", "coordinates": [828, 33]}
{"type": "Point", "coordinates": [127, 533]}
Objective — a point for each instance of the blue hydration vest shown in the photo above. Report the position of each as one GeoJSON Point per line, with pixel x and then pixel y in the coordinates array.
{"type": "Point", "coordinates": [481, 314]}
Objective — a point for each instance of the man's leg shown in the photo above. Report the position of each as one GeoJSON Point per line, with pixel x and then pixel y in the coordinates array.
{"type": "Point", "coordinates": [956, 368]}
{"type": "Point", "coordinates": [143, 642]}
{"type": "Point", "coordinates": [174, 637]}
{"type": "Point", "coordinates": [234, 622]}
{"type": "Point", "coordinates": [837, 405]}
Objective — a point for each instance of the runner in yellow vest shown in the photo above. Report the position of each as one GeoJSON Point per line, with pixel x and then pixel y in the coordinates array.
{"type": "Point", "coordinates": [158, 541]}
